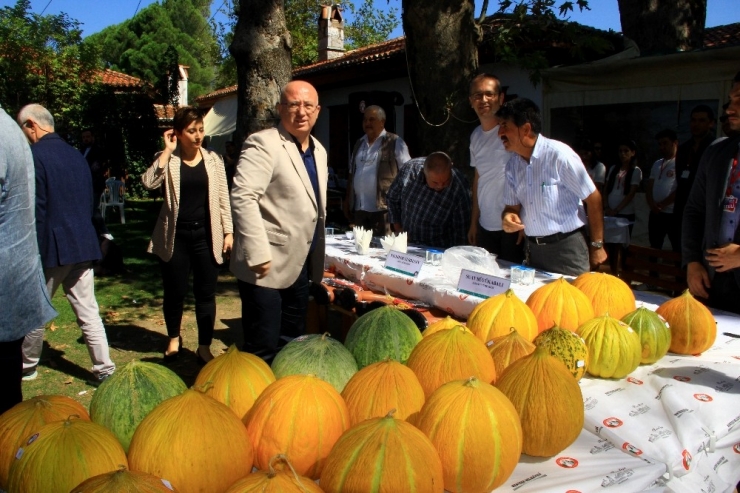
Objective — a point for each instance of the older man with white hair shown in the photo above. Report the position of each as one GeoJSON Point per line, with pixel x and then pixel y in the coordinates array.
{"type": "Point", "coordinates": [68, 242]}
{"type": "Point", "coordinates": [376, 159]}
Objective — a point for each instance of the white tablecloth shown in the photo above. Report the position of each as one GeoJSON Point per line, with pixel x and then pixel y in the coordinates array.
{"type": "Point", "coordinates": [671, 427]}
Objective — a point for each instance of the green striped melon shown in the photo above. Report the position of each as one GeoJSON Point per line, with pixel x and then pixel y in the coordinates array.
{"type": "Point", "coordinates": [383, 333]}
{"type": "Point", "coordinates": [655, 335]}
{"type": "Point", "coordinates": [567, 346]}
{"type": "Point", "coordinates": [316, 354]}
{"type": "Point", "coordinates": [614, 349]}
{"type": "Point", "coordinates": [127, 396]}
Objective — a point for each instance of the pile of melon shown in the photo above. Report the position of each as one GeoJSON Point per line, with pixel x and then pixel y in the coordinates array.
{"type": "Point", "coordinates": [391, 409]}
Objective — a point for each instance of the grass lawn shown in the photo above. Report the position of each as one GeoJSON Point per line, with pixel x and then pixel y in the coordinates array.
{"type": "Point", "coordinates": [131, 308]}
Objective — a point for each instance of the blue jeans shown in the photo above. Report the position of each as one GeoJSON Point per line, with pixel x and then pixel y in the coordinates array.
{"type": "Point", "coordinates": [269, 314]}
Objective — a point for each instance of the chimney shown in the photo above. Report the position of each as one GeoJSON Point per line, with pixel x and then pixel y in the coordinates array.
{"type": "Point", "coordinates": [331, 33]}
{"type": "Point", "coordinates": [182, 86]}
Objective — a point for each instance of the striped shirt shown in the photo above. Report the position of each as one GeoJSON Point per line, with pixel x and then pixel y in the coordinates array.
{"type": "Point", "coordinates": [438, 219]}
{"type": "Point", "coordinates": [550, 188]}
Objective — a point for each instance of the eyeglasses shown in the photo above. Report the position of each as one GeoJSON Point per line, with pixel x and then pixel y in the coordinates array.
{"type": "Point", "coordinates": [294, 106]}
{"type": "Point", "coordinates": [478, 96]}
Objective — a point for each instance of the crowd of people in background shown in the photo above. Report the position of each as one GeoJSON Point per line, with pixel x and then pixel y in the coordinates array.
{"type": "Point", "coordinates": [262, 210]}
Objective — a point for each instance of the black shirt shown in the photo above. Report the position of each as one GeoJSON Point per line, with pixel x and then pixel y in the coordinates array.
{"type": "Point", "coordinates": [193, 192]}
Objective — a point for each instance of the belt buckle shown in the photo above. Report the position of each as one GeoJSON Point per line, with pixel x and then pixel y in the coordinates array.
{"type": "Point", "coordinates": [537, 240]}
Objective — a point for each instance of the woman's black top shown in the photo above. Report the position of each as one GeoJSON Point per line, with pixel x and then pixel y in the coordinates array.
{"type": "Point", "coordinates": [193, 193]}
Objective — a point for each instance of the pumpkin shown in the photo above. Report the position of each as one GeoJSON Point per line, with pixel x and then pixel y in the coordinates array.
{"type": "Point", "coordinates": [476, 431]}
{"type": "Point", "coordinates": [383, 455]}
{"type": "Point", "coordinates": [127, 396]}
{"type": "Point", "coordinates": [316, 354]}
{"type": "Point", "coordinates": [608, 293]}
{"type": "Point", "coordinates": [450, 355]}
{"type": "Point", "coordinates": [275, 480]}
{"type": "Point", "coordinates": [62, 454]}
{"type": "Point", "coordinates": [496, 316]}
{"type": "Point", "coordinates": [566, 346]}
{"type": "Point", "coordinates": [561, 304]}
{"type": "Point", "coordinates": [300, 416]}
{"type": "Point", "coordinates": [383, 333]}
{"type": "Point", "coordinates": [655, 335]}
{"type": "Point", "coordinates": [123, 481]}
{"type": "Point", "coordinates": [236, 379]}
{"type": "Point", "coordinates": [507, 349]}
{"type": "Point", "coordinates": [693, 328]}
{"type": "Point", "coordinates": [614, 349]}
{"type": "Point", "coordinates": [194, 441]}
{"type": "Point", "coordinates": [548, 400]}
{"type": "Point", "coordinates": [384, 385]}
{"type": "Point", "coordinates": [25, 418]}
{"type": "Point", "coordinates": [441, 324]}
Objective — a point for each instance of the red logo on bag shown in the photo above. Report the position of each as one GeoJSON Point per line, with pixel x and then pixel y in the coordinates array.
{"type": "Point", "coordinates": [572, 491]}
{"type": "Point", "coordinates": [566, 462]}
{"type": "Point", "coordinates": [703, 397]}
{"type": "Point", "coordinates": [686, 459]}
{"type": "Point", "coordinates": [409, 281]}
{"type": "Point", "coordinates": [681, 378]}
{"type": "Point", "coordinates": [631, 448]}
{"type": "Point", "coordinates": [634, 380]}
{"type": "Point", "coordinates": [449, 310]}
{"type": "Point", "coordinates": [462, 296]}
{"type": "Point", "coordinates": [736, 448]}
{"type": "Point", "coordinates": [613, 422]}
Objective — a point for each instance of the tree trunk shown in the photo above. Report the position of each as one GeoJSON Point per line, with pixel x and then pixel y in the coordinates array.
{"type": "Point", "coordinates": [261, 48]}
{"type": "Point", "coordinates": [442, 52]}
{"type": "Point", "coordinates": [664, 26]}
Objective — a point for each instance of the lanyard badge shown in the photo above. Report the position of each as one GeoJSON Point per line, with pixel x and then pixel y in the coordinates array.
{"type": "Point", "coordinates": [730, 202]}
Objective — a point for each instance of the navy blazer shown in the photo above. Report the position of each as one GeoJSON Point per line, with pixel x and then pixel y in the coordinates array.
{"type": "Point", "coordinates": [64, 204]}
{"type": "Point", "coordinates": [703, 212]}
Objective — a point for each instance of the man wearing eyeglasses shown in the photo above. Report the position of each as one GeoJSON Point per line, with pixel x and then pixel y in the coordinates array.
{"type": "Point", "coordinates": [278, 203]}
{"type": "Point", "coordinates": [488, 156]}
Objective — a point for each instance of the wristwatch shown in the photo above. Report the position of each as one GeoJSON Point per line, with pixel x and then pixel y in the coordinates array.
{"type": "Point", "coordinates": [597, 244]}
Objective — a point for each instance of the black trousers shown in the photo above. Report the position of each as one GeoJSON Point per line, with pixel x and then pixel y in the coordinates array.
{"type": "Point", "coordinates": [725, 292]}
{"type": "Point", "coordinates": [662, 224]}
{"type": "Point", "coordinates": [11, 369]}
{"type": "Point", "coordinates": [501, 243]}
{"type": "Point", "coordinates": [269, 314]}
{"type": "Point", "coordinates": [192, 252]}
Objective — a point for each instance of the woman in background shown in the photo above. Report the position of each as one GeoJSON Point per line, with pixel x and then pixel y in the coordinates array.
{"type": "Point", "coordinates": [194, 229]}
{"type": "Point", "coordinates": [622, 182]}
{"type": "Point", "coordinates": [596, 169]}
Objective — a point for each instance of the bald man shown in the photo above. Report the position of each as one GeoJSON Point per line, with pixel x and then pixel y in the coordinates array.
{"type": "Point", "coordinates": [278, 204]}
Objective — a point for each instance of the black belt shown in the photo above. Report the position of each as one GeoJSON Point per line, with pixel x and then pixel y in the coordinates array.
{"type": "Point", "coordinates": [554, 238]}
{"type": "Point", "coordinates": [190, 225]}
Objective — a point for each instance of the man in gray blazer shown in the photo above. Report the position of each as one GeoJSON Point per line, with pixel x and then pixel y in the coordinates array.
{"type": "Point", "coordinates": [278, 204]}
{"type": "Point", "coordinates": [710, 237]}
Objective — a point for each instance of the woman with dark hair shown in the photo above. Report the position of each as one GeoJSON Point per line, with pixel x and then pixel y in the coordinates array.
{"type": "Point", "coordinates": [622, 182]}
{"type": "Point", "coordinates": [595, 168]}
{"type": "Point", "coordinates": [194, 229]}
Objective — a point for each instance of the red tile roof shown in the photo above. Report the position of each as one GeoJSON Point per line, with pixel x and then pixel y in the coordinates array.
{"type": "Point", "coordinates": [722, 36]}
{"type": "Point", "coordinates": [215, 94]}
{"type": "Point", "coordinates": [118, 79]}
{"type": "Point", "coordinates": [165, 112]}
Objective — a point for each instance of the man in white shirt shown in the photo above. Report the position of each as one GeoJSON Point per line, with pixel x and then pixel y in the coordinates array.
{"type": "Point", "coordinates": [488, 157]}
{"type": "Point", "coordinates": [661, 193]}
{"type": "Point", "coordinates": [376, 159]}
{"type": "Point", "coordinates": [547, 186]}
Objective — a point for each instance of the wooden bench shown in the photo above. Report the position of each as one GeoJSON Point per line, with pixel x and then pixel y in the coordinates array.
{"type": "Point", "coordinates": [640, 262]}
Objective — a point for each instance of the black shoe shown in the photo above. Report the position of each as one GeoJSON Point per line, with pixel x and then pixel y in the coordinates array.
{"type": "Point", "coordinates": [201, 361]}
{"type": "Point", "coordinates": [96, 382]}
{"type": "Point", "coordinates": [172, 356]}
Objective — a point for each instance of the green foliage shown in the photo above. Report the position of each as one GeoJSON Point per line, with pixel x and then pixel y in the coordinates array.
{"type": "Point", "coordinates": [139, 46]}
{"type": "Point", "coordinates": [524, 33]}
{"type": "Point", "coordinates": [42, 60]}
{"type": "Point", "coordinates": [367, 26]}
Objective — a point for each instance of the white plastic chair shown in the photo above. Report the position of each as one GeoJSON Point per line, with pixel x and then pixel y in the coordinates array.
{"type": "Point", "coordinates": [113, 196]}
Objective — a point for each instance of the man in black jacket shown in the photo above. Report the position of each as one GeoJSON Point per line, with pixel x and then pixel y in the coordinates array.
{"type": "Point", "coordinates": [710, 237]}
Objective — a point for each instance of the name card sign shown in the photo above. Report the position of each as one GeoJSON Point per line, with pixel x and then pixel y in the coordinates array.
{"type": "Point", "coordinates": [403, 263]}
{"type": "Point", "coordinates": [481, 285]}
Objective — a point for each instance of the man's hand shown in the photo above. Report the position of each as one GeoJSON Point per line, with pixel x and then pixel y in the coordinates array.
{"type": "Point", "coordinates": [724, 258]}
{"type": "Point", "coordinates": [261, 270]}
{"type": "Point", "coordinates": [597, 256]}
{"type": "Point", "coordinates": [697, 279]}
{"type": "Point", "coordinates": [512, 222]}
{"type": "Point", "coordinates": [473, 234]}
